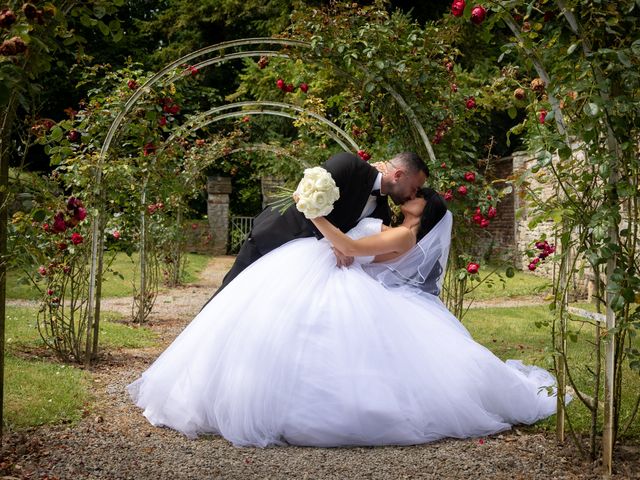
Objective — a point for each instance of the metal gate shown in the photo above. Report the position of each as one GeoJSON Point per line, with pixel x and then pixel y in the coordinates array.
{"type": "Point", "coordinates": [239, 229]}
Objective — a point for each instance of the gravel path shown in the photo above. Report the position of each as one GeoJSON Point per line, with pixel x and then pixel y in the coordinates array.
{"type": "Point", "coordinates": [114, 441]}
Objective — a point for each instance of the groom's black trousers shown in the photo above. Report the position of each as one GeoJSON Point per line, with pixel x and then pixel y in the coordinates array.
{"type": "Point", "coordinates": [248, 254]}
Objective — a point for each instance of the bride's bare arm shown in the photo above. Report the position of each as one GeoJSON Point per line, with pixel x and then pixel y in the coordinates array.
{"type": "Point", "coordinates": [393, 240]}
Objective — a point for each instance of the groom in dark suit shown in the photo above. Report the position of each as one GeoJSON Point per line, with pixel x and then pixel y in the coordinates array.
{"type": "Point", "coordinates": [363, 193]}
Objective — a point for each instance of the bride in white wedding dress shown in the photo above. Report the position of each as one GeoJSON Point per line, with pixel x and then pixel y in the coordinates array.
{"type": "Point", "coordinates": [298, 351]}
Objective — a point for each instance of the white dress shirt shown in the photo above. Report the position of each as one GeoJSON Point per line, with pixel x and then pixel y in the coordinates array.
{"type": "Point", "coordinates": [370, 206]}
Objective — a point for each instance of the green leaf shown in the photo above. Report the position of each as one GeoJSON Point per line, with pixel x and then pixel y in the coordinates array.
{"type": "Point", "coordinates": [510, 272]}
{"type": "Point", "coordinates": [624, 59]}
{"type": "Point", "coordinates": [87, 21]}
{"type": "Point", "coordinates": [513, 113]}
{"type": "Point", "coordinates": [56, 134]}
{"type": "Point", "coordinates": [380, 64]}
{"type": "Point", "coordinates": [39, 215]}
{"type": "Point", "coordinates": [103, 28]}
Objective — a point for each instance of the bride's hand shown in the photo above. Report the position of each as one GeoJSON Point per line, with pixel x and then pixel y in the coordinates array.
{"type": "Point", "coordinates": [296, 197]}
{"type": "Point", "coordinates": [341, 259]}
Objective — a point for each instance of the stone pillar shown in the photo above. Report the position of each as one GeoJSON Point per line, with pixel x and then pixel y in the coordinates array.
{"type": "Point", "coordinates": [218, 190]}
{"type": "Point", "coordinates": [269, 186]}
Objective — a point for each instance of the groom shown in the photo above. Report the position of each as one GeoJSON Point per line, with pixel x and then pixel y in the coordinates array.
{"type": "Point", "coordinates": [363, 193]}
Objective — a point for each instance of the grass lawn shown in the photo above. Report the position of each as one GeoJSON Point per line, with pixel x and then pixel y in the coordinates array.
{"type": "Point", "coordinates": [522, 284]}
{"type": "Point", "coordinates": [113, 285]}
{"type": "Point", "coordinates": [40, 390]}
{"type": "Point", "coordinates": [511, 333]}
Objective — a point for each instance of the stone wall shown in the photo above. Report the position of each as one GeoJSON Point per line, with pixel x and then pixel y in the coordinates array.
{"type": "Point", "coordinates": [218, 190]}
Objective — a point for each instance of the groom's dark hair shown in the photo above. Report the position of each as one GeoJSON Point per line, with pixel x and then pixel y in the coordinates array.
{"type": "Point", "coordinates": [433, 211]}
{"type": "Point", "coordinates": [412, 162]}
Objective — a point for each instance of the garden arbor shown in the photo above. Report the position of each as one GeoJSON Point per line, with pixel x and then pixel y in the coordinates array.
{"type": "Point", "coordinates": [210, 56]}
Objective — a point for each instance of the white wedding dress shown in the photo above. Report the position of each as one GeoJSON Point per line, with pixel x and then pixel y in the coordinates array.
{"type": "Point", "coordinates": [298, 351]}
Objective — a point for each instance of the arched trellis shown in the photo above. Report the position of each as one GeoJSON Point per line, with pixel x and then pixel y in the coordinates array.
{"type": "Point", "coordinates": [93, 306]}
{"type": "Point", "coordinates": [202, 120]}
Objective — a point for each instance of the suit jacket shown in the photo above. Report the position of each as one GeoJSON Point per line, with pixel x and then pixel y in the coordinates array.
{"type": "Point", "coordinates": [354, 178]}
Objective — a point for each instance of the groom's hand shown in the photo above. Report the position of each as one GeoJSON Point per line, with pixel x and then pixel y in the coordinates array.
{"type": "Point", "coordinates": [341, 259]}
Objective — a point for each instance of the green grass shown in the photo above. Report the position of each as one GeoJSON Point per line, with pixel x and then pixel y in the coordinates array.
{"type": "Point", "coordinates": [522, 284]}
{"type": "Point", "coordinates": [39, 392]}
{"type": "Point", "coordinates": [512, 333]}
{"type": "Point", "coordinates": [113, 285]}
{"type": "Point", "coordinates": [42, 391]}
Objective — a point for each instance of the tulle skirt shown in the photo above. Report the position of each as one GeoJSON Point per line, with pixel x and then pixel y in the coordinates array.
{"type": "Point", "coordinates": [298, 351]}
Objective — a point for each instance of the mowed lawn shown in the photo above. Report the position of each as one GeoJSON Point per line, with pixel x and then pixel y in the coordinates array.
{"type": "Point", "coordinates": [118, 278]}
{"type": "Point", "coordinates": [511, 333]}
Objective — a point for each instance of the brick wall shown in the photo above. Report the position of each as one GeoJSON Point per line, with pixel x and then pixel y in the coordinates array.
{"type": "Point", "coordinates": [500, 237]}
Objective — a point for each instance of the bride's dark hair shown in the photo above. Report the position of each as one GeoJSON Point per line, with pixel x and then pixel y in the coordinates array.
{"type": "Point", "coordinates": [433, 211]}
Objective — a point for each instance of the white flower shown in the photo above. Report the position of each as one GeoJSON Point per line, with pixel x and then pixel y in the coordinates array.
{"type": "Point", "coordinates": [317, 192]}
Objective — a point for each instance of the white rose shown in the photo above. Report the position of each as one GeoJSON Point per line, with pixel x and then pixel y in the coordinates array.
{"type": "Point", "coordinates": [324, 183]}
{"type": "Point", "coordinates": [320, 200]}
{"type": "Point", "coordinates": [305, 187]}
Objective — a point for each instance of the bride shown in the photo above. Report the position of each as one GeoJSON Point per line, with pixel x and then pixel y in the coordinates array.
{"type": "Point", "coordinates": [298, 351]}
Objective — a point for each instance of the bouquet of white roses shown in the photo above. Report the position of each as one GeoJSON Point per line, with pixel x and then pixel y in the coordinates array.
{"type": "Point", "coordinates": [316, 193]}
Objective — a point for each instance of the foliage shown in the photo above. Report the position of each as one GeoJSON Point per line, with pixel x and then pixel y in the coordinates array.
{"type": "Point", "coordinates": [582, 107]}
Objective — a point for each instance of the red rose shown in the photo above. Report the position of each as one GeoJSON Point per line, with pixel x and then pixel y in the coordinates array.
{"type": "Point", "coordinates": [162, 121]}
{"type": "Point", "coordinates": [454, 87]}
{"type": "Point", "coordinates": [50, 292]}
{"type": "Point", "coordinates": [116, 234]}
{"type": "Point", "coordinates": [448, 195]}
{"type": "Point", "coordinates": [74, 136]}
{"type": "Point", "coordinates": [492, 212]}
{"type": "Point", "coordinates": [532, 266]}
{"type": "Point", "coordinates": [470, 177]}
{"type": "Point", "coordinates": [148, 149]}
{"type": "Point", "coordinates": [45, 227]}
{"type": "Point", "coordinates": [542, 116]}
{"type": "Point", "coordinates": [59, 225]}
{"type": "Point", "coordinates": [194, 226]}
{"type": "Point", "coordinates": [246, 118]}
{"type": "Point", "coordinates": [478, 14]}
{"type": "Point", "coordinates": [280, 84]}
{"type": "Point", "coordinates": [457, 8]}
{"type": "Point", "coordinates": [473, 268]}
{"type": "Point", "coordinates": [7, 18]}
{"type": "Point", "coordinates": [66, 269]}
{"type": "Point", "coordinates": [470, 103]}
{"type": "Point", "coordinates": [80, 214]}
{"type": "Point", "coordinates": [304, 87]}
{"type": "Point", "coordinates": [62, 246]}
{"type": "Point", "coordinates": [449, 66]}
{"type": "Point", "coordinates": [462, 190]}
{"type": "Point", "coordinates": [151, 209]}
{"type": "Point", "coordinates": [364, 155]}
{"type": "Point", "coordinates": [289, 88]}
{"type": "Point", "coordinates": [132, 84]}
{"type": "Point", "coordinates": [76, 238]}
{"type": "Point", "coordinates": [73, 203]}
{"type": "Point", "coordinates": [42, 270]}
{"type": "Point", "coordinates": [194, 71]}
{"type": "Point", "coordinates": [484, 223]}
{"type": "Point", "coordinates": [443, 165]}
